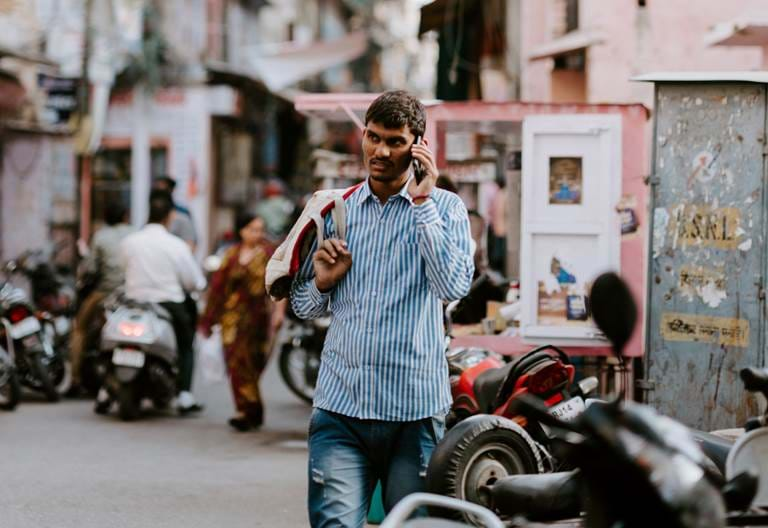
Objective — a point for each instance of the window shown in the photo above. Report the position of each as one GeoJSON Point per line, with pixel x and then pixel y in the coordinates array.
{"type": "Point", "coordinates": [571, 15]}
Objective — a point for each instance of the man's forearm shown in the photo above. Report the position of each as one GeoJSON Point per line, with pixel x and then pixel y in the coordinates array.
{"type": "Point", "coordinates": [307, 301]}
{"type": "Point", "coordinates": [445, 250]}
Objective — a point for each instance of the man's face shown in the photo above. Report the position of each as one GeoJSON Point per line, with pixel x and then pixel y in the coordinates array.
{"type": "Point", "coordinates": [386, 151]}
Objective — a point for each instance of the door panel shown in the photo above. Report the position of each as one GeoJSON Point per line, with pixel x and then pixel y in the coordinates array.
{"type": "Point", "coordinates": [706, 251]}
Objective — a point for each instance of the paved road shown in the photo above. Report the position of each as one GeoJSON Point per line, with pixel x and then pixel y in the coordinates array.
{"type": "Point", "coordinates": [62, 466]}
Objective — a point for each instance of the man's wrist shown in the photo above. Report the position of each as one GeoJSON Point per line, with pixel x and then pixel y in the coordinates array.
{"type": "Point", "coordinates": [420, 199]}
{"type": "Point", "coordinates": [323, 288]}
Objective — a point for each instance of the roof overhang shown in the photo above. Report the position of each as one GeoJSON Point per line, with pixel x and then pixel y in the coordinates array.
{"type": "Point", "coordinates": [743, 31]}
{"type": "Point", "coordinates": [568, 43]}
{"type": "Point", "coordinates": [705, 76]}
{"type": "Point", "coordinates": [282, 65]}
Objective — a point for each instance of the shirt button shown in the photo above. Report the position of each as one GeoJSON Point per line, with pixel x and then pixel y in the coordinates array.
{"type": "Point", "coordinates": [373, 293]}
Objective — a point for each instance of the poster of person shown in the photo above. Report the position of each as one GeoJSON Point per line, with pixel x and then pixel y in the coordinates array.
{"type": "Point", "coordinates": [564, 276]}
{"type": "Point", "coordinates": [565, 181]}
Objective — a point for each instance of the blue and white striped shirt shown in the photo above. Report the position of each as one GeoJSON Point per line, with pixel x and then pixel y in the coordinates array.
{"type": "Point", "coordinates": [384, 353]}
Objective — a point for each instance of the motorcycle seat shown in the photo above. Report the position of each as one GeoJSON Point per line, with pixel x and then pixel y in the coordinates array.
{"type": "Point", "coordinates": [487, 386]}
{"type": "Point", "coordinates": [494, 386]}
{"type": "Point", "coordinates": [539, 497]}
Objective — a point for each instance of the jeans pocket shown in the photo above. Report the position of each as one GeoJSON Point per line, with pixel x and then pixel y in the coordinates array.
{"type": "Point", "coordinates": [438, 428]}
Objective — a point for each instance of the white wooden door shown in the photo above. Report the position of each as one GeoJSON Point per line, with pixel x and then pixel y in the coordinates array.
{"type": "Point", "coordinates": [571, 185]}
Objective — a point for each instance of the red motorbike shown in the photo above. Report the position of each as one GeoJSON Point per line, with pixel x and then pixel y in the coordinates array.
{"type": "Point", "coordinates": [487, 440]}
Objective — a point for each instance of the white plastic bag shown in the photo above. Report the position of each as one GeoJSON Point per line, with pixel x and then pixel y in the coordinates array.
{"type": "Point", "coordinates": [211, 358]}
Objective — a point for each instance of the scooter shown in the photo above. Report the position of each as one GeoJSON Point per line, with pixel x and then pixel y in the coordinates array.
{"type": "Point", "coordinates": [139, 346]}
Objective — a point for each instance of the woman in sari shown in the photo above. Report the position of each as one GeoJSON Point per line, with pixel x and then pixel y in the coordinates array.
{"type": "Point", "coordinates": [237, 300]}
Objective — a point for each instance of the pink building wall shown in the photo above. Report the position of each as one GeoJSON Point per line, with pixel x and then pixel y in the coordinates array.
{"type": "Point", "coordinates": [663, 35]}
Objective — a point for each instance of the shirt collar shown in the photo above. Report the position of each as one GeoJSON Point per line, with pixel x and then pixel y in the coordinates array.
{"type": "Point", "coordinates": [366, 191]}
{"type": "Point", "coordinates": [155, 227]}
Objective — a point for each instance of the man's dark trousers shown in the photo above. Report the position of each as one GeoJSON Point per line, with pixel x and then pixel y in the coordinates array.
{"type": "Point", "coordinates": [185, 335]}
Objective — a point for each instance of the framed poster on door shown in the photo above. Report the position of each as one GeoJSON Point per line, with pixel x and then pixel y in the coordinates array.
{"type": "Point", "coordinates": [571, 183]}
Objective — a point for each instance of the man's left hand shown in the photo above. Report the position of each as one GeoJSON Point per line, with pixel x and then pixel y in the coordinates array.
{"type": "Point", "coordinates": [422, 153]}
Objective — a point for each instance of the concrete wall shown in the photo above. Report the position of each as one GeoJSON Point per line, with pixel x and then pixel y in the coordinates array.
{"type": "Point", "coordinates": [37, 191]}
{"type": "Point", "coordinates": [180, 118]}
{"type": "Point", "coordinates": [664, 35]}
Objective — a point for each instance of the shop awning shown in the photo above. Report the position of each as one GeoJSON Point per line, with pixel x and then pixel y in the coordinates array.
{"type": "Point", "coordinates": [747, 30]}
{"type": "Point", "coordinates": [568, 43]}
{"type": "Point", "coordinates": [280, 66]}
{"type": "Point", "coordinates": [435, 15]}
{"type": "Point", "coordinates": [340, 107]}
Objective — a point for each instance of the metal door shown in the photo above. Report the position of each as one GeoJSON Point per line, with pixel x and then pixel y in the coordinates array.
{"type": "Point", "coordinates": [707, 251]}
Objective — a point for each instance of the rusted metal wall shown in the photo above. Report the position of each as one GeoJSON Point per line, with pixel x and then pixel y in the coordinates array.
{"type": "Point", "coordinates": [707, 251]}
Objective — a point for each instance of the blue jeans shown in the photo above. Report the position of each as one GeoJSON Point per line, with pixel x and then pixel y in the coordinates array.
{"type": "Point", "coordinates": [347, 456]}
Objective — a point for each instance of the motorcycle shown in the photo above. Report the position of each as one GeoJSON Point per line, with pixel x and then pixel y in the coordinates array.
{"type": "Point", "coordinates": [139, 348]}
{"type": "Point", "coordinates": [29, 341]}
{"type": "Point", "coordinates": [300, 344]}
{"type": "Point", "coordinates": [748, 453]}
{"type": "Point", "coordinates": [10, 390]}
{"type": "Point", "coordinates": [488, 440]}
{"type": "Point", "coordinates": [665, 477]}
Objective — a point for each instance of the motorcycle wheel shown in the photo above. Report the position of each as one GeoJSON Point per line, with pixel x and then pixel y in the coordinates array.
{"type": "Point", "coordinates": [42, 375]}
{"type": "Point", "coordinates": [10, 390]}
{"type": "Point", "coordinates": [127, 403]}
{"type": "Point", "coordinates": [294, 363]}
{"type": "Point", "coordinates": [474, 455]}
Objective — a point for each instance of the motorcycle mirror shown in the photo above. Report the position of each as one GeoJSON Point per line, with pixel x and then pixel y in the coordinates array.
{"type": "Point", "coordinates": [613, 309]}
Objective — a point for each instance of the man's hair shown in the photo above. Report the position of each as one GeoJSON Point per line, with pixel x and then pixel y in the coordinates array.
{"type": "Point", "coordinates": [114, 212]}
{"type": "Point", "coordinates": [160, 206]}
{"type": "Point", "coordinates": [166, 179]}
{"type": "Point", "coordinates": [398, 108]}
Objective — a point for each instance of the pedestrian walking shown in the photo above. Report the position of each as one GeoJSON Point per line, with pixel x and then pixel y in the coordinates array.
{"type": "Point", "coordinates": [383, 389]}
{"type": "Point", "coordinates": [237, 300]}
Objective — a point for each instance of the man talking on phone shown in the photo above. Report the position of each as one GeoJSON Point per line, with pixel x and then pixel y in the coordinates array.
{"type": "Point", "coordinates": [383, 389]}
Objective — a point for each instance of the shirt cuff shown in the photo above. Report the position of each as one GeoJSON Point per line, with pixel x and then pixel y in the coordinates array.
{"type": "Point", "coordinates": [315, 295]}
{"type": "Point", "coordinates": [426, 213]}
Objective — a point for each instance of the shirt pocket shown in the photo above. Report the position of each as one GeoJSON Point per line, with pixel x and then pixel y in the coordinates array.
{"type": "Point", "coordinates": [407, 263]}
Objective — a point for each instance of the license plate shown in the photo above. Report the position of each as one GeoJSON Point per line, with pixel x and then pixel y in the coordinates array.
{"type": "Point", "coordinates": [22, 329]}
{"type": "Point", "coordinates": [567, 411]}
{"type": "Point", "coordinates": [128, 358]}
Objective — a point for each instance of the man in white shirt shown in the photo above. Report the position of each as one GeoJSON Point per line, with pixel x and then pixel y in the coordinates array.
{"type": "Point", "coordinates": [160, 268]}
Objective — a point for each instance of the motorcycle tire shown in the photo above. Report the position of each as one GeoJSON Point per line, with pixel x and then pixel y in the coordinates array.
{"type": "Point", "coordinates": [43, 376]}
{"type": "Point", "coordinates": [287, 353]}
{"type": "Point", "coordinates": [10, 392]}
{"type": "Point", "coordinates": [476, 453]}
{"type": "Point", "coordinates": [128, 405]}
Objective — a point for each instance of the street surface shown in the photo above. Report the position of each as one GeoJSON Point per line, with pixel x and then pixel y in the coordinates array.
{"type": "Point", "coordinates": [63, 466]}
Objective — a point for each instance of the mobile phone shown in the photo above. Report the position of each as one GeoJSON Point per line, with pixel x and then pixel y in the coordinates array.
{"type": "Point", "coordinates": [418, 170]}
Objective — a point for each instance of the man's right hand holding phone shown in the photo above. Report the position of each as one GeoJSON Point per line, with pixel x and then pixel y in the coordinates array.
{"type": "Point", "coordinates": [331, 262]}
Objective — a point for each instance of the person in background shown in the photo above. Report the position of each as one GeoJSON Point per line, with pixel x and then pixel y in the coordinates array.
{"type": "Point", "coordinates": [160, 269]}
{"type": "Point", "coordinates": [104, 268]}
{"type": "Point", "coordinates": [182, 224]}
{"type": "Point", "coordinates": [238, 301]}
{"type": "Point", "coordinates": [497, 230]}
{"type": "Point", "coordinates": [275, 209]}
